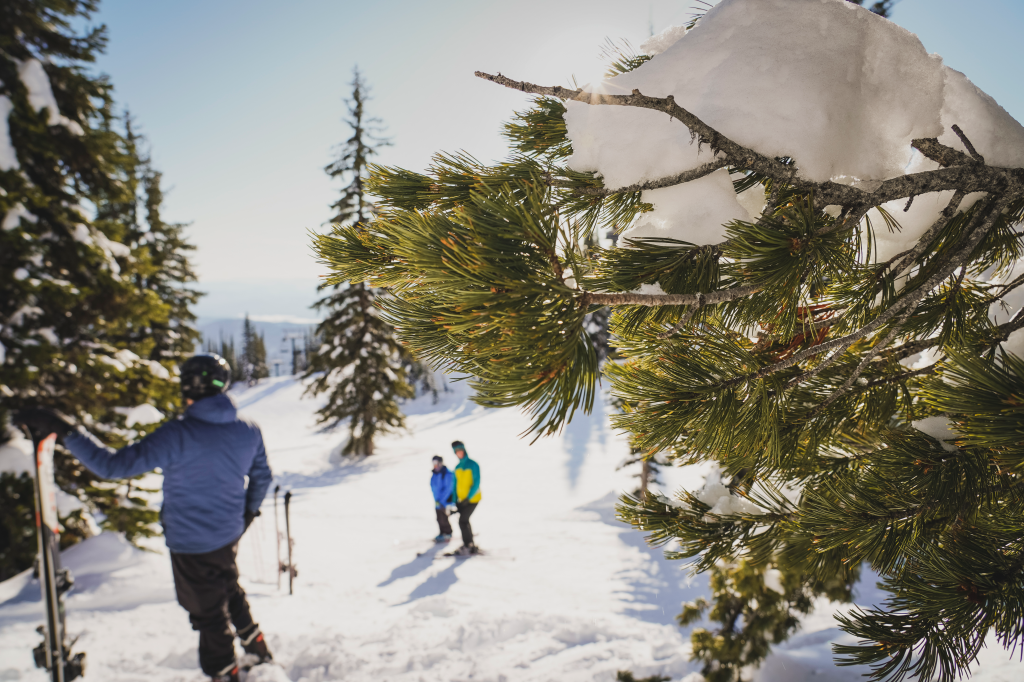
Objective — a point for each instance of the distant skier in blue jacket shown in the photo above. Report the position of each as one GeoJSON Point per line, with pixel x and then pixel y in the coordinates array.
{"type": "Point", "coordinates": [205, 456]}
{"type": "Point", "coordinates": [442, 484]}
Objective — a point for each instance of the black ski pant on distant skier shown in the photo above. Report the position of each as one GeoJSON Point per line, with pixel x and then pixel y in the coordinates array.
{"type": "Point", "coordinates": [207, 587]}
{"type": "Point", "coordinates": [442, 521]}
{"type": "Point", "coordinates": [465, 511]}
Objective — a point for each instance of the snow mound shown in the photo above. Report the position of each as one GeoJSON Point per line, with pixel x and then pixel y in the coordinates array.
{"type": "Point", "coordinates": [102, 554]}
{"type": "Point", "coordinates": [140, 414]}
{"type": "Point", "coordinates": [8, 155]}
{"type": "Point", "coordinates": [267, 673]}
{"type": "Point", "coordinates": [16, 455]}
{"type": "Point", "coordinates": [40, 94]}
{"type": "Point", "coordinates": [1015, 343]}
{"type": "Point", "coordinates": [939, 429]}
{"type": "Point", "coordinates": [702, 205]}
{"type": "Point", "coordinates": [837, 88]}
{"type": "Point", "coordinates": [17, 212]}
{"type": "Point", "coordinates": [773, 580]}
{"type": "Point", "coordinates": [717, 495]}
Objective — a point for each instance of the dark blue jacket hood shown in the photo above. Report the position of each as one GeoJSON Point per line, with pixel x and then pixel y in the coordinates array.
{"type": "Point", "coordinates": [216, 409]}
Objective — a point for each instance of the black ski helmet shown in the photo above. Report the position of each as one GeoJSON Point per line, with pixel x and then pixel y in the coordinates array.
{"type": "Point", "coordinates": [204, 375]}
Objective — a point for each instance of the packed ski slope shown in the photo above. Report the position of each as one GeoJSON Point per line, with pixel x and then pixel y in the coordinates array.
{"type": "Point", "coordinates": [565, 592]}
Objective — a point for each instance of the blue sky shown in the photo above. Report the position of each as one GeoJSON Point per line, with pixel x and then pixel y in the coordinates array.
{"type": "Point", "coordinates": [242, 100]}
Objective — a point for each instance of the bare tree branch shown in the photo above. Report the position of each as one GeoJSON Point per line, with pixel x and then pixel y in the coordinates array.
{"type": "Point", "coordinates": [685, 319]}
{"type": "Point", "coordinates": [1006, 289]}
{"type": "Point", "coordinates": [963, 172]}
{"type": "Point", "coordinates": [654, 300]}
{"type": "Point", "coordinates": [685, 176]}
{"type": "Point", "coordinates": [940, 153]}
{"type": "Point", "coordinates": [926, 239]}
{"type": "Point", "coordinates": [866, 360]}
{"type": "Point", "coordinates": [967, 143]}
{"type": "Point", "coordinates": [742, 156]}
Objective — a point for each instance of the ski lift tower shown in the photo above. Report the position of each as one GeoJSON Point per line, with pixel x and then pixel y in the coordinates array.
{"type": "Point", "coordinates": [295, 352]}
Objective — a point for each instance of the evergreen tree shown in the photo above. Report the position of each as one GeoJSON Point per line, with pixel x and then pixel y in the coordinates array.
{"type": "Point", "coordinates": [74, 308]}
{"type": "Point", "coordinates": [254, 354]}
{"type": "Point", "coordinates": [755, 606]}
{"type": "Point", "coordinates": [174, 335]}
{"type": "Point", "coordinates": [227, 351]}
{"type": "Point", "coordinates": [260, 358]}
{"type": "Point", "coordinates": [359, 363]}
{"type": "Point", "coordinates": [627, 676]}
{"type": "Point", "coordinates": [650, 468]}
{"type": "Point", "coordinates": [836, 453]}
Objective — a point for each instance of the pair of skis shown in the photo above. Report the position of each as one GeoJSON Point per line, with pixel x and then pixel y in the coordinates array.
{"type": "Point", "coordinates": [54, 652]}
{"type": "Point", "coordinates": [283, 567]}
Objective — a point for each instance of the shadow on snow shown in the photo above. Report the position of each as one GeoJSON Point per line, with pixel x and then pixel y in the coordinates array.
{"type": "Point", "coordinates": [348, 466]}
{"type": "Point", "coordinates": [659, 587]}
{"type": "Point", "coordinates": [577, 435]}
{"type": "Point", "coordinates": [417, 565]}
{"type": "Point", "coordinates": [439, 583]}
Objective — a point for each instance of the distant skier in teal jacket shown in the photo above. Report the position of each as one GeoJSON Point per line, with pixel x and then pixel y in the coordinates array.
{"type": "Point", "coordinates": [467, 496]}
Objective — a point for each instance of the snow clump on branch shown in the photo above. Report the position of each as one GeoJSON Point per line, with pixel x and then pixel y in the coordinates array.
{"type": "Point", "coordinates": [721, 499]}
{"type": "Point", "coordinates": [837, 88]}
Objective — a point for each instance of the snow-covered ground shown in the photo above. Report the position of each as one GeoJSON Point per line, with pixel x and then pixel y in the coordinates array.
{"type": "Point", "coordinates": [565, 593]}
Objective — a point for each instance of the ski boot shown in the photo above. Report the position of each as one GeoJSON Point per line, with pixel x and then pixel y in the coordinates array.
{"type": "Point", "coordinates": [466, 550]}
{"type": "Point", "coordinates": [443, 537]}
{"type": "Point", "coordinates": [228, 674]}
{"type": "Point", "coordinates": [255, 647]}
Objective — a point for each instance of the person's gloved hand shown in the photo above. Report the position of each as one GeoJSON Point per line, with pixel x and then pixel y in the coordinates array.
{"type": "Point", "coordinates": [42, 422]}
{"type": "Point", "coordinates": [249, 516]}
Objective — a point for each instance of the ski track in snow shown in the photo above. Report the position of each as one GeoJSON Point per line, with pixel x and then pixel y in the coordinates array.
{"type": "Point", "coordinates": [566, 592]}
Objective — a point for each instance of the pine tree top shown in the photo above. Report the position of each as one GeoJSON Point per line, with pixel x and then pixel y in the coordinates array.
{"type": "Point", "coordinates": [352, 162]}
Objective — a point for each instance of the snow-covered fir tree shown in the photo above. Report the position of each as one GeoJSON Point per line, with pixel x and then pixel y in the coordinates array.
{"type": "Point", "coordinates": [74, 304]}
{"type": "Point", "coordinates": [359, 364]}
{"type": "Point", "coordinates": [173, 334]}
{"type": "Point", "coordinates": [818, 290]}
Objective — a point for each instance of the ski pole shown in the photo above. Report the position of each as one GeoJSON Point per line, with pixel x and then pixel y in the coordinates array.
{"type": "Point", "coordinates": [288, 532]}
{"type": "Point", "coordinates": [277, 535]}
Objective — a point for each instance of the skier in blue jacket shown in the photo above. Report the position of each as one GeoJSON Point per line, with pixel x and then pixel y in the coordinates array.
{"type": "Point", "coordinates": [442, 484]}
{"type": "Point", "coordinates": [205, 456]}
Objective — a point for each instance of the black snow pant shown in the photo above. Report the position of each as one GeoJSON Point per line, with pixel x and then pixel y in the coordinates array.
{"type": "Point", "coordinates": [442, 521]}
{"type": "Point", "coordinates": [207, 587]}
{"type": "Point", "coordinates": [465, 511]}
